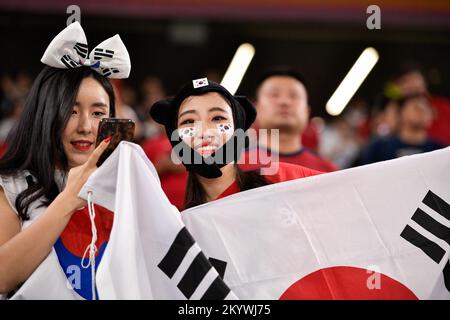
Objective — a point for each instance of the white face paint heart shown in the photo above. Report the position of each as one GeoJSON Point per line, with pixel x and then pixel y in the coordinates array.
{"type": "Point", "coordinates": [187, 133]}
{"type": "Point", "coordinates": [225, 128]}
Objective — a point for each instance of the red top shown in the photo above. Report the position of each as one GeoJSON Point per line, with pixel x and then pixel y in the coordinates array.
{"type": "Point", "coordinates": [3, 148]}
{"type": "Point", "coordinates": [286, 172]}
{"type": "Point", "coordinates": [440, 128]}
{"type": "Point", "coordinates": [172, 183]}
{"type": "Point", "coordinates": [310, 137]}
{"type": "Point", "coordinates": [304, 157]}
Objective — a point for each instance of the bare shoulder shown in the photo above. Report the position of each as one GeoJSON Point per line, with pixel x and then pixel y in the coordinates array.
{"type": "Point", "coordinates": [9, 220]}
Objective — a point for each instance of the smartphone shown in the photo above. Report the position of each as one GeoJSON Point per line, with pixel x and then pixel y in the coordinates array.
{"type": "Point", "coordinates": [118, 130]}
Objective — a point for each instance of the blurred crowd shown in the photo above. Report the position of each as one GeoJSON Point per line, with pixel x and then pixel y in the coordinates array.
{"type": "Point", "coordinates": [404, 119]}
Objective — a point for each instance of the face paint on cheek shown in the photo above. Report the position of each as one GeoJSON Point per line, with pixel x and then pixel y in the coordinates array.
{"type": "Point", "coordinates": [225, 128]}
{"type": "Point", "coordinates": [186, 134]}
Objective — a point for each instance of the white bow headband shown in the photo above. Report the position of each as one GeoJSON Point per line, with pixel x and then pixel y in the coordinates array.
{"type": "Point", "coordinates": [69, 50]}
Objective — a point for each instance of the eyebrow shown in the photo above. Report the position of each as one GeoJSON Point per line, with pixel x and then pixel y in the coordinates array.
{"type": "Point", "coordinates": [99, 104]}
{"type": "Point", "coordinates": [95, 104]}
{"type": "Point", "coordinates": [195, 111]}
{"type": "Point", "coordinates": [186, 112]}
{"type": "Point", "coordinates": [217, 109]}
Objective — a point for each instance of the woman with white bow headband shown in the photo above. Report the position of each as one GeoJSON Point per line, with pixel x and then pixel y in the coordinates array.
{"type": "Point", "coordinates": [50, 156]}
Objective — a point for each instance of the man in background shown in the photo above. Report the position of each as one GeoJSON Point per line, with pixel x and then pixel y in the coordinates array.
{"type": "Point", "coordinates": [414, 116]}
{"type": "Point", "coordinates": [282, 103]}
{"type": "Point", "coordinates": [409, 80]}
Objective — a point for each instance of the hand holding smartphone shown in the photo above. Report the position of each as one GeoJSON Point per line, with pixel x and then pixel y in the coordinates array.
{"type": "Point", "coordinates": [118, 130]}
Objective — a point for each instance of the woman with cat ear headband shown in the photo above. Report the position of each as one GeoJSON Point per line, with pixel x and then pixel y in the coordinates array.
{"type": "Point", "coordinates": [206, 126]}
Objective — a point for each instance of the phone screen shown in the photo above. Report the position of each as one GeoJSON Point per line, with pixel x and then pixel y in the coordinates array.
{"type": "Point", "coordinates": [118, 130]}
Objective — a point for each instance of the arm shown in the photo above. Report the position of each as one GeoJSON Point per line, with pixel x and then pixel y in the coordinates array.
{"type": "Point", "coordinates": [21, 252]}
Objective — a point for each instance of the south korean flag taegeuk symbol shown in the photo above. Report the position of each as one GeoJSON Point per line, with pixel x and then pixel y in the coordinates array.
{"type": "Point", "coordinates": [225, 128]}
{"type": "Point", "coordinates": [187, 133]}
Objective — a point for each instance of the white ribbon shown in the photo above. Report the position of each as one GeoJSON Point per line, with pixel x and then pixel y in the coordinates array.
{"type": "Point", "coordinates": [69, 50]}
{"type": "Point", "coordinates": [92, 248]}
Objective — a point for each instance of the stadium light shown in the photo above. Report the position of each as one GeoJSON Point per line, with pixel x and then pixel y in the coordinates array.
{"type": "Point", "coordinates": [352, 81]}
{"type": "Point", "coordinates": [238, 66]}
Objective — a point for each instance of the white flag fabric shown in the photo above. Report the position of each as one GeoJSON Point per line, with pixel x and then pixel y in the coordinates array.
{"type": "Point", "coordinates": [374, 232]}
{"type": "Point", "coordinates": [48, 281]}
{"type": "Point", "coordinates": [380, 231]}
{"type": "Point", "coordinates": [150, 255]}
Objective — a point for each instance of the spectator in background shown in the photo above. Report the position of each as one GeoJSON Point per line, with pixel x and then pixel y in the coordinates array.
{"type": "Point", "coordinates": [129, 96]}
{"type": "Point", "coordinates": [414, 116]}
{"type": "Point", "coordinates": [408, 80]}
{"type": "Point", "coordinates": [13, 93]}
{"type": "Point", "coordinates": [152, 90]}
{"type": "Point", "coordinates": [10, 91]}
{"type": "Point", "coordinates": [384, 116]}
{"type": "Point", "coordinates": [125, 111]}
{"type": "Point", "coordinates": [157, 147]}
{"type": "Point", "coordinates": [282, 103]}
{"type": "Point", "coordinates": [23, 82]}
{"type": "Point", "coordinates": [173, 176]}
{"type": "Point", "coordinates": [342, 138]}
{"type": "Point", "coordinates": [11, 117]}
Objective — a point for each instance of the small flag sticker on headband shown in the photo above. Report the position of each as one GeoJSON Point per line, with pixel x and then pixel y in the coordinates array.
{"type": "Point", "coordinates": [203, 82]}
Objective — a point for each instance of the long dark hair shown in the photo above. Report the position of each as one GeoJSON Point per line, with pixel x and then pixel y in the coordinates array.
{"type": "Point", "coordinates": [35, 143]}
{"type": "Point", "coordinates": [246, 180]}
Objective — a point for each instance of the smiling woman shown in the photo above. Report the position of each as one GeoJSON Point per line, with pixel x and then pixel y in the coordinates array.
{"type": "Point", "coordinates": [51, 154]}
{"type": "Point", "coordinates": [214, 123]}
{"type": "Point", "coordinates": [210, 121]}
{"type": "Point", "coordinates": [91, 105]}
{"type": "Point", "coordinates": [56, 130]}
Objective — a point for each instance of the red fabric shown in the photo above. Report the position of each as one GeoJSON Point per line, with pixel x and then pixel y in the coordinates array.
{"type": "Point", "coordinates": [232, 189]}
{"type": "Point", "coordinates": [173, 183]}
{"type": "Point", "coordinates": [346, 283]}
{"type": "Point", "coordinates": [310, 137]}
{"type": "Point", "coordinates": [77, 235]}
{"type": "Point", "coordinates": [3, 148]}
{"type": "Point", "coordinates": [303, 158]}
{"type": "Point", "coordinates": [440, 128]}
{"type": "Point", "coordinates": [286, 172]}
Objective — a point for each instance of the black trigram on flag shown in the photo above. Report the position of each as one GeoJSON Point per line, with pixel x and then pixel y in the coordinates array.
{"type": "Point", "coordinates": [195, 273]}
{"type": "Point", "coordinates": [99, 53]}
{"type": "Point", "coordinates": [81, 49]}
{"type": "Point", "coordinates": [69, 62]}
{"type": "Point", "coordinates": [108, 71]}
{"type": "Point", "coordinates": [429, 247]}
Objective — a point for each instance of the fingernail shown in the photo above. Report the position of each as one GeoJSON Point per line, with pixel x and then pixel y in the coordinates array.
{"type": "Point", "coordinates": [107, 139]}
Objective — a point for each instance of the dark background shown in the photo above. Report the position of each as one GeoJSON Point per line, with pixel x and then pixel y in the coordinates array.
{"type": "Point", "coordinates": [322, 45]}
